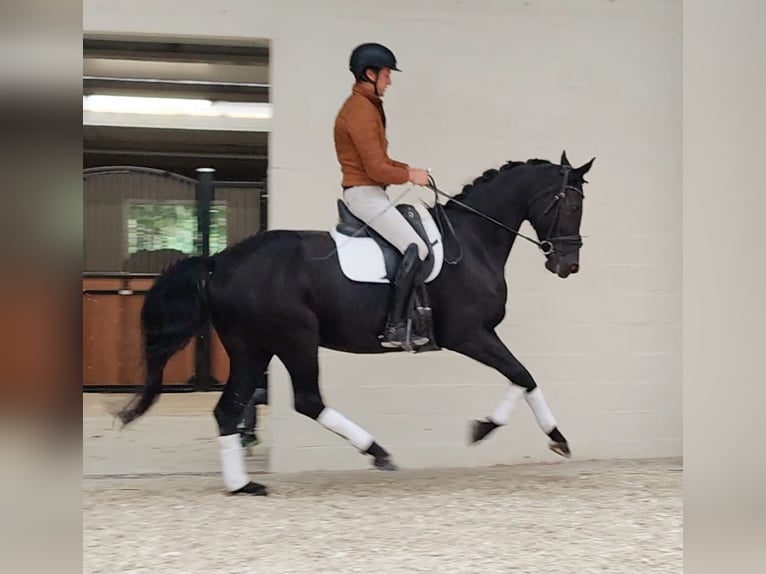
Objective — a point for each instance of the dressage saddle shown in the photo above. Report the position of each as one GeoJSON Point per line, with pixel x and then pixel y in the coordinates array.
{"type": "Point", "coordinates": [349, 224]}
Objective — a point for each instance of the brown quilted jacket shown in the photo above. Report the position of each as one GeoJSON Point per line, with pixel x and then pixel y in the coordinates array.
{"type": "Point", "coordinates": [361, 144]}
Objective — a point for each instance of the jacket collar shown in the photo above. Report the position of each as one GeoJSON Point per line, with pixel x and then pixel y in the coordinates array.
{"type": "Point", "coordinates": [358, 89]}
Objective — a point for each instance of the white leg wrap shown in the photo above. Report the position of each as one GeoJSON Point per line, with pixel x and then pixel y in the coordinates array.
{"type": "Point", "coordinates": [503, 411]}
{"type": "Point", "coordinates": [337, 423]}
{"type": "Point", "coordinates": [539, 406]}
{"type": "Point", "coordinates": [232, 462]}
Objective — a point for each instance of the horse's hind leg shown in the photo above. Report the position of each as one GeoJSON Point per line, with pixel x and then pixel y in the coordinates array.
{"type": "Point", "coordinates": [302, 364]}
{"type": "Point", "coordinates": [245, 365]}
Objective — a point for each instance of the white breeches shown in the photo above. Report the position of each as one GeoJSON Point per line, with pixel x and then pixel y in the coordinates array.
{"type": "Point", "coordinates": [372, 205]}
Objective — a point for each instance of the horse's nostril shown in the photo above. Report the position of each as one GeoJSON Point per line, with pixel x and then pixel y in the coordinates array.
{"type": "Point", "coordinates": [574, 267]}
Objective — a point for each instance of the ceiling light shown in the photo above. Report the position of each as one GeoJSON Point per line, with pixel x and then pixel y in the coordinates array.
{"type": "Point", "coordinates": [143, 105]}
{"type": "Point", "coordinates": [174, 106]}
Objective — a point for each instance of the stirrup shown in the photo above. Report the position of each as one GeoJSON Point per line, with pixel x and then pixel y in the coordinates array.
{"type": "Point", "coordinates": [394, 336]}
{"type": "Point", "coordinates": [415, 339]}
{"type": "Point", "coordinates": [398, 335]}
{"type": "Point", "coordinates": [419, 340]}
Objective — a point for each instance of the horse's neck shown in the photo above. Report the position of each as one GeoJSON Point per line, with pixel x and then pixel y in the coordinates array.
{"type": "Point", "coordinates": [494, 241]}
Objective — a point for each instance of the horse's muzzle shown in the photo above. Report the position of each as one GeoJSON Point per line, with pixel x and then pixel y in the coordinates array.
{"type": "Point", "coordinates": [560, 267]}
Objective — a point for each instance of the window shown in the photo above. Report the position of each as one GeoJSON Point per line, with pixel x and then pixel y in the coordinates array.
{"type": "Point", "coordinates": [163, 224]}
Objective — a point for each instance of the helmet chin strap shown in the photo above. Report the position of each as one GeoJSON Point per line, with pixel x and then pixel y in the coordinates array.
{"type": "Point", "coordinates": [374, 83]}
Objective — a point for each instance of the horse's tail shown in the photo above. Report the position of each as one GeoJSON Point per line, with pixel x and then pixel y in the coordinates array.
{"type": "Point", "coordinates": [174, 310]}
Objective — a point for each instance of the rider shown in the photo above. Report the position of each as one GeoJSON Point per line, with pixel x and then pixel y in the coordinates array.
{"type": "Point", "coordinates": [362, 149]}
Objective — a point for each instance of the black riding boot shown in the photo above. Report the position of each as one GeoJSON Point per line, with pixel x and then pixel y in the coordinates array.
{"type": "Point", "coordinates": [395, 333]}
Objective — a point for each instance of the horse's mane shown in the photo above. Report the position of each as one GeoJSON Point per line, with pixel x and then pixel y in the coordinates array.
{"type": "Point", "coordinates": [490, 174]}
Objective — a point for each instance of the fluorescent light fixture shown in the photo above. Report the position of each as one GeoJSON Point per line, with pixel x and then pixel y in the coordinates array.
{"type": "Point", "coordinates": [141, 105]}
{"type": "Point", "coordinates": [174, 107]}
{"type": "Point", "coordinates": [260, 111]}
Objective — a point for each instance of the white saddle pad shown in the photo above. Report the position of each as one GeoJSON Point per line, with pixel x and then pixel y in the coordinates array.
{"type": "Point", "coordinates": [361, 259]}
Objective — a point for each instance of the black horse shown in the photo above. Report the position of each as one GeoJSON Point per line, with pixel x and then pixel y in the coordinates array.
{"type": "Point", "coordinates": [278, 293]}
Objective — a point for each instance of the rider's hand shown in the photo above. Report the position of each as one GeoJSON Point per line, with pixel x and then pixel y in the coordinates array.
{"type": "Point", "coordinates": [418, 176]}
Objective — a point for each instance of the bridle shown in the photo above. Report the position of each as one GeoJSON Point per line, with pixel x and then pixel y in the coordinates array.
{"type": "Point", "coordinates": [573, 240]}
{"type": "Point", "coordinates": [546, 245]}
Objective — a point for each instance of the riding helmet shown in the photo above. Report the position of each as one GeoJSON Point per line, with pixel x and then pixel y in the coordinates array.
{"type": "Point", "coordinates": [371, 55]}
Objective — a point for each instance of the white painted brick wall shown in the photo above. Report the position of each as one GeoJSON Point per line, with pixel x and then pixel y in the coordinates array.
{"type": "Point", "coordinates": [485, 82]}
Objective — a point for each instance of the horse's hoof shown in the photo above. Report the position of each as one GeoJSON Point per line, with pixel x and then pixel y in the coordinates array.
{"type": "Point", "coordinates": [480, 429]}
{"type": "Point", "coordinates": [252, 488]}
{"type": "Point", "coordinates": [385, 464]}
{"type": "Point", "coordinates": [561, 448]}
{"type": "Point", "coordinates": [249, 440]}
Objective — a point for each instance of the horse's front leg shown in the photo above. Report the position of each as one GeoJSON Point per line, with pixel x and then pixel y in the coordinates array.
{"type": "Point", "coordinates": [487, 348]}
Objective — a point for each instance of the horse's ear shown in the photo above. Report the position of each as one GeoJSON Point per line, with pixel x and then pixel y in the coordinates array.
{"type": "Point", "coordinates": [564, 159]}
{"type": "Point", "coordinates": [583, 169]}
